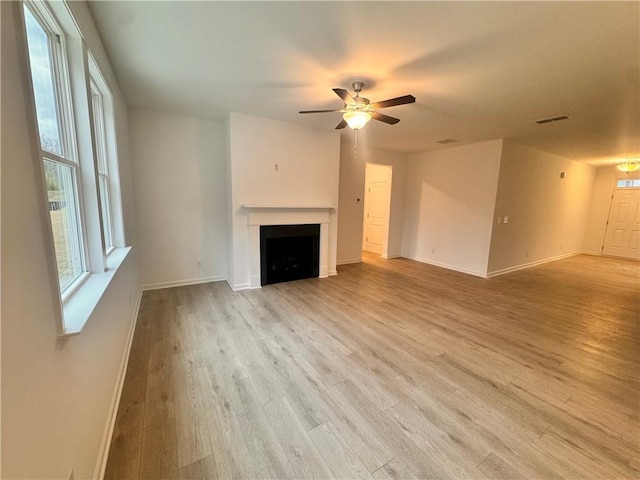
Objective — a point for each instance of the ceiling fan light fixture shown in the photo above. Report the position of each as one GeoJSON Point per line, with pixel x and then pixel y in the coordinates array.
{"type": "Point", "coordinates": [629, 165]}
{"type": "Point", "coordinates": [356, 119]}
{"type": "Point", "coordinates": [357, 111]}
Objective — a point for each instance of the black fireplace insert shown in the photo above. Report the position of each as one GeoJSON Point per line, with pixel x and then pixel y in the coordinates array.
{"type": "Point", "coordinates": [289, 252]}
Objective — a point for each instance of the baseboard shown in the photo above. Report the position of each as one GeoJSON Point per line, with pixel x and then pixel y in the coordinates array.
{"type": "Point", "coordinates": [181, 283]}
{"type": "Point", "coordinates": [600, 254]}
{"type": "Point", "coordinates": [446, 265]}
{"type": "Point", "coordinates": [393, 255]}
{"type": "Point", "coordinates": [240, 286]}
{"type": "Point", "coordinates": [103, 455]}
{"type": "Point", "coordinates": [522, 266]}
{"type": "Point", "coordinates": [332, 273]}
{"type": "Point", "coordinates": [348, 261]}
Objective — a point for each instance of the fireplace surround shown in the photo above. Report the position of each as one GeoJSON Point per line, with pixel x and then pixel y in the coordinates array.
{"type": "Point", "coordinates": [260, 215]}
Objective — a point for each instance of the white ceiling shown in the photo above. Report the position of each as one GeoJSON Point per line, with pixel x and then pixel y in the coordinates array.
{"type": "Point", "coordinates": [479, 70]}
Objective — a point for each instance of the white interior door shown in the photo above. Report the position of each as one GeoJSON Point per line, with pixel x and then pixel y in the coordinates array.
{"type": "Point", "coordinates": [377, 197]}
{"type": "Point", "coordinates": [622, 237]}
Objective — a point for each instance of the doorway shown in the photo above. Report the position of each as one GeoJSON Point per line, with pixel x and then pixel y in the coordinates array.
{"type": "Point", "coordinates": [377, 203]}
{"type": "Point", "coordinates": [622, 235]}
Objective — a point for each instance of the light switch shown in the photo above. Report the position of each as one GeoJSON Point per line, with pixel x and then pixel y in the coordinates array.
{"type": "Point", "coordinates": [506, 219]}
{"type": "Point", "coordinates": [499, 220]}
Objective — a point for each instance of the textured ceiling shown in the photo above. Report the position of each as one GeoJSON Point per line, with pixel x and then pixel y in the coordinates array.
{"type": "Point", "coordinates": [479, 70]}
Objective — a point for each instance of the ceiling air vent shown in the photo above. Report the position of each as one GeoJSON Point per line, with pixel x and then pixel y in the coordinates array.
{"type": "Point", "coordinates": [447, 140]}
{"type": "Point", "coordinates": [553, 119]}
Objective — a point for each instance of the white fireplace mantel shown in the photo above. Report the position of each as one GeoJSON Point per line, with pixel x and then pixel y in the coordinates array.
{"type": "Point", "coordinates": [259, 215]}
{"type": "Point", "coordinates": [287, 207]}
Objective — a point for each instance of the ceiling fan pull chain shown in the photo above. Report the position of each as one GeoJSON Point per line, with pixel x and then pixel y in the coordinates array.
{"type": "Point", "coordinates": [355, 144]}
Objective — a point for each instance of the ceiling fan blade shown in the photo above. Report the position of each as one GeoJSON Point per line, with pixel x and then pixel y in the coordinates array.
{"type": "Point", "coordinates": [344, 95]}
{"type": "Point", "coordinates": [342, 124]}
{"type": "Point", "coordinates": [384, 118]}
{"type": "Point", "coordinates": [319, 111]}
{"type": "Point", "coordinates": [392, 102]}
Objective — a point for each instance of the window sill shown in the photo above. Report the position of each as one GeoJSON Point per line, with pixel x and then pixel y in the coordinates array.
{"type": "Point", "coordinates": [79, 307]}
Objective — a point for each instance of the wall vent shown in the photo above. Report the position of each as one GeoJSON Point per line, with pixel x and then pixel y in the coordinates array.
{"type": "Point", "coordinates": [447, 140]}
{"type": "Point", "coordinates": [552, 119]}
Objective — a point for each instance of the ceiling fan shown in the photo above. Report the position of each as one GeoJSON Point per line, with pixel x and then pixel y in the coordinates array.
{"type": "Point", "coordinates": [358, 110]}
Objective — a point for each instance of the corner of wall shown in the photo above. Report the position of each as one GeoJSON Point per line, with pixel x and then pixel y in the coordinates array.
{"type": "Point", "coordinates": [229, 200]}
{"type": "Point", "coordinates": [449, 205]}
{"type": "Point", "coordinates": [547, 211]}
{"type": "Point", "coordinates": [503, 142]}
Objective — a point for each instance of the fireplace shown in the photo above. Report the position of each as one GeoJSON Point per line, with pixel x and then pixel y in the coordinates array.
{"type": "Point", "coordinates": [260, 215]}
{"type": "Point", "coordinates": [289, 252]}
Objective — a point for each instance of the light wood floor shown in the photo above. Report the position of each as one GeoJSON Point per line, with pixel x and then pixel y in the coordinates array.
{"type": "Point", "coordinates": [392, 369]}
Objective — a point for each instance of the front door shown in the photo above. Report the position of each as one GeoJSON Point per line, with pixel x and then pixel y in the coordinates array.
{"type": "Point", "coordinates": [622, 237]}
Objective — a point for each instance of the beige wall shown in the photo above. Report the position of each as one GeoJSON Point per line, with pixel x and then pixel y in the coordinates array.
{"type": "Point", "coordinates": [56, 396]}
{"type": "Point", "coordinates": [180, 197]}
{"type": "Point", "coordinates": [352, 180]}
{"type": "Point", "coordinates": [547, 214]}
{"type": "Point", "coordinates": [449, 203]}
{"type": "Point", "coordinates": [605, 179]}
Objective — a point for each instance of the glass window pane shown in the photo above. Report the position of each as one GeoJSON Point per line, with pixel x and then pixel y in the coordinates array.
{"type": "Point", "coordinates": [43, 86]}
{"type": "Point", "coordinates": [106, 212]}
{"type": "Point", "coordinates": [634, 183]}
{"type": "Point", "coordinates": [61, 191]}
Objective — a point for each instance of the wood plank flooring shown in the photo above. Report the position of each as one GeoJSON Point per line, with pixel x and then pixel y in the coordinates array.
{"type": "Point", "coordinates": [392, 369]}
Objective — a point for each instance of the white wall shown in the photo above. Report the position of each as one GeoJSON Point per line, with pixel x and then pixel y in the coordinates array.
{"type": "Point", "coordinates": [603, 184]}
{"type": "Point", "coordinates": [56, 396]}
{"type": "Point", "coordinates": [449, 203]}
{"type": "Point", "coordinates": [180, 197]}
{"type": "Point", "coordinates": [547, 214]}
{"type": "Point", "coordinates": [352, 181]}
{"type": "Point", "coordinates": [307, 174]}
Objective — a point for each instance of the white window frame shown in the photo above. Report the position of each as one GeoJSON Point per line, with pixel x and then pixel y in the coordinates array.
{"type": "Point", "coordinates": [76, 66]}
{"type": "Point", "coordinates": [110, 151]}
{"type": "Point", "coordinates": [66, 129]}
{"type": "Point", "coordinates": [102, 163]}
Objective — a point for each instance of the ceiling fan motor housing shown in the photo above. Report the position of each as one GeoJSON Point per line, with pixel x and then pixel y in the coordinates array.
{"type": "Point", "coordinates": [357, 87]}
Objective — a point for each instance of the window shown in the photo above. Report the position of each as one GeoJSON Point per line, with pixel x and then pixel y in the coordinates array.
{"type": "Point", "coordinates": [75, 120]}
{"type": "Point", "coordinates": [631, 183]}
{"type": "Point", "coordinates": [97, 107]}
{"type": "Point", "coordinates": [57, 141]}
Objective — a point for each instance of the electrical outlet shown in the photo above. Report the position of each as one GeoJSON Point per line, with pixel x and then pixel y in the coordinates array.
{"type": "Point", "coordinates": [499, 220]}
{"type": "Point", "coordinates": [561, 247]}
{"type": "Point", "coordinates": [433, 250]}
{"type": "Point", "coordinates": [505, 219]}
{"type": "Point", "coordinates": [199, 263]}
{"type": "Point", "coordinates": [526, 254]}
